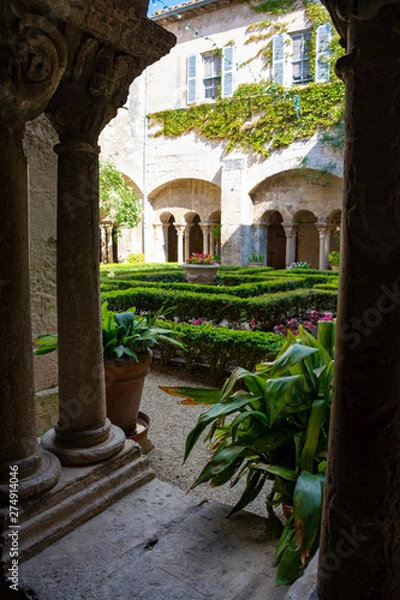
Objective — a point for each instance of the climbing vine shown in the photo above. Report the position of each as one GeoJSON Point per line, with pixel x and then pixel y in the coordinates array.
{"type": "Point", "coordinates": [117, 199]}
{"type": "Point", "coordinates": [264, 116]}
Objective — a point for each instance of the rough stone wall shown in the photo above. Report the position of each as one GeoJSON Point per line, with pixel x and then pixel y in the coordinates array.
{"type": "Point", "coordinates": [42, 161]}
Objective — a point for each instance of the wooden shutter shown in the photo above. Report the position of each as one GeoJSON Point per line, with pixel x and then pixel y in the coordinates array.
{"type": "Point", "coordinates": [191, 79]}
{"type": "Point", "coordinates": [278, 58]}
{"type": "Point", "coordinates": [227, 72]}
{"type": "Point", "coordinates": [322, 53]}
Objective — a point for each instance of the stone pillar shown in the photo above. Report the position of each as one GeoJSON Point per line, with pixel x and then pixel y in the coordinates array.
{"type": "Point", "coordinates": [160, 252]}
{"type": "Point", "coordinates": [32, 66]}
{"type": "Point", "coordinates": [165, 229]}
{"type": "Point", "coordinates": [360, 550]}
{"type": "Point", "coordinates": [291, 236]}
{"type": "Point", "coordinates": [262, 238]}
{"type": "Point", "coordinates": [205, 227]}
{"type": "Point", "coordinates": [85, 101]}
{"type": "Point", "coordinates": [212, 240]}
{"type": "Point", "coordinates": [180, 229]}
{"type": "Point", "coordinates": [236, 211]}
{"type": "Point", "coordinates": [187, 240]}
{"type": "Point", "coordinates": [323, 232]}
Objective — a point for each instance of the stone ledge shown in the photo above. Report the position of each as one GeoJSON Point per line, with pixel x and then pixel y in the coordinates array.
{"type": "Point", "coordinates": [81, 493]}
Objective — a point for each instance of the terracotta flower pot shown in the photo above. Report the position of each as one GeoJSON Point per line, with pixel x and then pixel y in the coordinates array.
{"type": "Point", "coordinates": [255, 264]}
{"type": "Point", "coordinates": [124, 387]}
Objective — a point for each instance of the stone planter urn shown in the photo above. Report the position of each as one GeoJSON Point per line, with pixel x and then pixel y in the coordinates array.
{"type": "Point", "coordinates": [255, 264]}
{"type": "Point", "coordinates": [201, 273]}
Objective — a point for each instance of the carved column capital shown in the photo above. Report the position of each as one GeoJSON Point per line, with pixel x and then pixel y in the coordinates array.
{"type": "Point", "coordinates": [33, 58]}
{"type": "Point", "coordinates": [95, 86]}
{"type": "Point", "coordinates": [342, 11]}
{"type": "Point", "coordinates": [290, 229]}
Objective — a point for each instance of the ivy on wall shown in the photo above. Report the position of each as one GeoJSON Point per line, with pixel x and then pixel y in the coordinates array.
{"type": "Point", "coordinates": [264, 116]}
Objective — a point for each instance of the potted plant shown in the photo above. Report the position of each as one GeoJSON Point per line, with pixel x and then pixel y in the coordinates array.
{"type": "Point", "coordinates": [127, 342]}
{"type": "Point", "coordinates": [272, 424]}
{"type": "Point", "coordinates": [201, 268]}
{"type": "Point", "coordinates": [334, 258]}
{"type": "Point", "coordinates": [255, 260]}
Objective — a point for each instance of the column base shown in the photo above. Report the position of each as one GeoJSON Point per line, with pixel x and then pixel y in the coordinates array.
{"type": "Point", "coordinates": [44, 477]}
{"type": "Point", "coordinates": [80, 494]}
{"type": "Point", "coordinates": [71, 455]}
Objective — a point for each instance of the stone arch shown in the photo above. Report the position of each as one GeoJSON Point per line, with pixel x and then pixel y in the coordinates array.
{"type": "Point", "coordinates": [275, 246]}
{"type": "Point", "coordinates": [168, 237]}
{"type": "Point", "coordinates": [189, 201]}
{"type": "Point", "coordinates": [193, 234]}
{"type": "Point", "coordinates": [307, 247]}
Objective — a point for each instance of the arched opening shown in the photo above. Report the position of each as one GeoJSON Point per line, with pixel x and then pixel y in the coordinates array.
{"type": "Point", "coordinates": [172, 254]}
{"type": "Point", "coordinates": [196, 235]}
{"type": "Point", "coordinates": [307, 238]}
{"type": "Point", "coordinates": [276, 240]}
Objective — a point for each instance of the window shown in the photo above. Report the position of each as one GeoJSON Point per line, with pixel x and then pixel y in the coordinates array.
{"type": "Point", "coordinates": [291, 59]}
{"type": "Point", "coordinates": [300, 57]}
{"type": "Point", "coordinates": [211, 74]}
{"type": "Point", "coordinates": [208, 74]}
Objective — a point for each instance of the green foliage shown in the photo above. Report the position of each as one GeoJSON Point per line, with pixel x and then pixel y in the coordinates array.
{"type": "Point", "coordinates": [135, 259]}
{"type": "Point", "coordinates": [275, 7]}
{"type": "Point", "coordinates": [125, 335]}
{"type": "Point", "coordinates": [334, 258]}
{"type": "Point", "coordinates": [265, 310]}
{"type": "Point", "coordinates": [272, 424]}
{"type": "Point", "coordinates": [254, 257]}
{"type": "Point", "coordinates": [220, 348]}
{"type": "Point", "coordinates": [260, 116]}
{"type": "Point", "coordinates": [118, 200]}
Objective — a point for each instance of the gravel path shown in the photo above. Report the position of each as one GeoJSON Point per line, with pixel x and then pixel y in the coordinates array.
{"type": "Point", "coordinates": [170, 422]}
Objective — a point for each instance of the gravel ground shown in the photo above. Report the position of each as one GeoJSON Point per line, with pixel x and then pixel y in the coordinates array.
{"type": "Point", "coordinates": [170, 422]}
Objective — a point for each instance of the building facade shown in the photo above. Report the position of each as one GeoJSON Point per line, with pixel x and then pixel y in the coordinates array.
{"type": "Point", "coordinates": [212, 186]}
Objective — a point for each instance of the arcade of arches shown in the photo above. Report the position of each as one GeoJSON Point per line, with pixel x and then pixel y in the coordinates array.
{"type": "Point", "coordinates": [294, 219]}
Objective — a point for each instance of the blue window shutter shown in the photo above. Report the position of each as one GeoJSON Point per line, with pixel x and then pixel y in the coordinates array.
{"type": "Point", "coordinates": [191, 79]}
{"type": "Point", "coordinates": [278, 58]}
{"type": "Point", "coordinates": [227, 72]}
{"type": "Point", "coordinates": [322, 53]}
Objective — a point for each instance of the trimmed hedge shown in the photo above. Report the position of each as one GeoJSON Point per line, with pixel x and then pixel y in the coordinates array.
{"type": "Point", "coordinates": [221, 349]}
{"type": "Point", "coordinates": [266, 310]}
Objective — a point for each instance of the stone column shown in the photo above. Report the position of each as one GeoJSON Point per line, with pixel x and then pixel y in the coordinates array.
{"type": "Point", "coordinates": [262, 238]}
{"type": "Point", "coordinates": [360, 550]}
{"type": "Point", "coordinates": [323, 232]}
{"type": "Point", "coordinates": [32, 66]}
{"type": "Point", "coordinates": [205, 227]}
{"type": "Point", "coordinates": [165, 229]}
{"type": "Point", "coordinates": [212, 240]}
{"type": "Point", "coordinates": [187, 240]}
{"type": "Point", "coordinates": [180, 229]}
{"type": "Point", "coordinates": [160, 242]}
{"type": "Point", "coordinates": [85, 101]}
{"type": "Point", "coordinates": [291, 236]}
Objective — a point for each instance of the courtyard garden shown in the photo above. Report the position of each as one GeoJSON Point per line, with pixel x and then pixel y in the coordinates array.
{"type": "Point", "coordinates": [239, 320]}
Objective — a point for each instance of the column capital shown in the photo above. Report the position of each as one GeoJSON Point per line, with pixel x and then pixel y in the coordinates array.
{"type": "Point", "coordinates": [290, 229]}
{"type": "Point", "coordinates": [33, 54]}
{"type": "Point", "coordinates": [95, 87]}
{"type": "Point", "coordinates": [342, 11]}
{"type": "Point", "coordinates": [323, 228]}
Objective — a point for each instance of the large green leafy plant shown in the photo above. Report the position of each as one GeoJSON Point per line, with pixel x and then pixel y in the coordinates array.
{"type": "Point", "coordinates": [125, 335]}
{"type": "Point", "coordinates": [272, 425]}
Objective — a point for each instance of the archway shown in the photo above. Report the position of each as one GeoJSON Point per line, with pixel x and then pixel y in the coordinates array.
{"type": "Point", "coordinates": [307, 238]}
{"type": "Point", "coordinates": [276, 240]}
{"type": "Point", "coordinates": [172, 252]}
